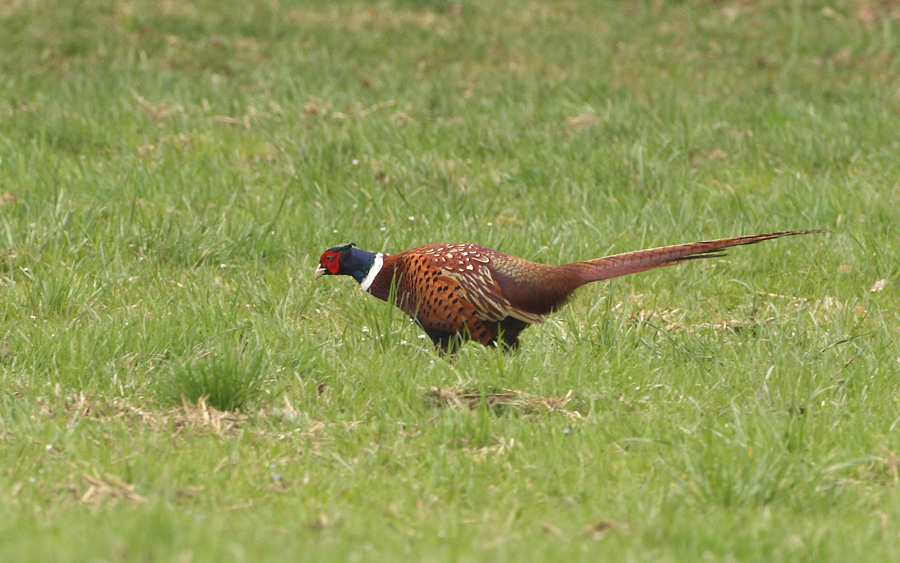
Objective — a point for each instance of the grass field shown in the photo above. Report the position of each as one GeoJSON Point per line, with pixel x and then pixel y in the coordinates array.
{"type": "Point", "coordinates": [174, 386]}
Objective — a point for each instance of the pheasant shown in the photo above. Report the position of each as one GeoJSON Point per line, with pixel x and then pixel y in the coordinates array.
{"type": "Point", "coordinates": [461, 291]}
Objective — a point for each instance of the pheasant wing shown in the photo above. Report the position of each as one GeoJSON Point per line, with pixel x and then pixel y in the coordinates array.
{"type": "Point", "coordinates": [479, 288]}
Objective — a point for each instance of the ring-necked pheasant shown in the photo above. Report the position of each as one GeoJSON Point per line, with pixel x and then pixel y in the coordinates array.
{"type": "Point", "coordinates": [461, 290]}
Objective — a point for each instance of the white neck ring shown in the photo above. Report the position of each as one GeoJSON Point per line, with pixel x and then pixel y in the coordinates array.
{"type": "Point", "coordinates": [373, 271]}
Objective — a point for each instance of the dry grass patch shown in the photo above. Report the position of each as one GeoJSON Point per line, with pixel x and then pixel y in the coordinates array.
{"type": "Point", "coordinates": [109, 489]}
{"type": "Point", "coordinates": [198, 417]}
{"type": "Point", "coordinates": [672, 320]}
{"type": "Point", "coordinates": [583, 121]}
{"type": "Point", "coordinates": [530, 405]}
{"type": "Point", "coordinates": [204, 417]}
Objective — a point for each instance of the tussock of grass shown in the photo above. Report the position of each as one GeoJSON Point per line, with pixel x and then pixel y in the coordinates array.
{"type": "Point", "coordinates": [227, 379]}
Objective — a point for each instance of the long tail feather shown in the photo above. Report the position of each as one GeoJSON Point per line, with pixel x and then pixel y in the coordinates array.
{"type": "Point", "coordinates": [643, 260]}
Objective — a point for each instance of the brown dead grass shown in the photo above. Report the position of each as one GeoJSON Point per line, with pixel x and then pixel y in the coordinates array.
{"type": "Point", "coordinates": [597, 530]}
{"type": "Point", "coordinates": [583, 121]}
{"type": "Point", "coordinates": [379, 17]}
{"type": "Point", "coordinates": [871, 12]}
{"type": "Point", "coordinates": [109, 489]}
{"type": "Point", "coordinates": [204, 417]}
{"type": "Point", "coordinates": [160, 111]}
{"type": "Point", "coordinates": [198, 418]}
{"type": "Point", "coordinates": [670, 320]}
{"type": "Point", "coordinates": [530, 405]}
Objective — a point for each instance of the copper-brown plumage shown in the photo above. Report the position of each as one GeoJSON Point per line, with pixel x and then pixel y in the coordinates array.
{"type": "Point", "coordinates": [465, 290]}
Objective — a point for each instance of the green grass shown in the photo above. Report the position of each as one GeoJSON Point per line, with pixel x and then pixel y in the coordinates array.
{"type": "Point", "coordinates": [171, 171]}
{"type": "Point", "coordinates": [226, 379]}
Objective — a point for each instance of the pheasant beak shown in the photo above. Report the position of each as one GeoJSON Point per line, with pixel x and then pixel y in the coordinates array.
{"type": "Point", "coordinates": [320, 271]}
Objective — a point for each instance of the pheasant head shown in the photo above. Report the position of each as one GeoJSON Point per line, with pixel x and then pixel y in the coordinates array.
{"type": "Point", "coordinates": [347, 260]}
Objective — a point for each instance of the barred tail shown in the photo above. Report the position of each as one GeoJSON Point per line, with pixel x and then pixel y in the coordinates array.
{"type": "Point", "coordinates": [643, 260]}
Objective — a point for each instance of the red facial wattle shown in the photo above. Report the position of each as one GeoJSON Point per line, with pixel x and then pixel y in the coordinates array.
{"type": "Point", "coordinates": [330, 261]}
